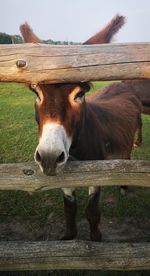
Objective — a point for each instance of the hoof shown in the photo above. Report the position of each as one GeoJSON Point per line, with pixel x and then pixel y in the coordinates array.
{"type": "Point", "coordinates": [123, 190]}
{"type": "Point", "coordinates": [96, 236]}
{"type": "Point", "coordinates": [137, 144]}
{"type": "Point", "coordinates": [67, 238]}
{"type": "Point", "coordinates": [70, 236]}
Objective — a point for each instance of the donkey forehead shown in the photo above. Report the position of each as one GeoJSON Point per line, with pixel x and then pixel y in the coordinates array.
{"type": "Point", "coordinates": [58, 90]}
{"type": "Point", "coordinates": [56, 101]}
{"type": "Point", "coordinates": [62, 90]}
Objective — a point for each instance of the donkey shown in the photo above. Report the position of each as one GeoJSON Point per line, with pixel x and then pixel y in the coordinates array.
{"type": "Point", "coordinates": [100, 127]}
{"type": "Point", "coordinates": [133, 88]}
{"type": "Point", "coordinates": [141, 88]}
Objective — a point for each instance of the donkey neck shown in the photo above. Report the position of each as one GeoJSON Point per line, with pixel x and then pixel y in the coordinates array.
{"type": "Point", "coordinates": [89, 144]}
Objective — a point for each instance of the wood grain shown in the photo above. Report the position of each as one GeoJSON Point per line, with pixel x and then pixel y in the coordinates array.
{"type": "Point", "coordinates": [31, 63]}
{"type": "Point", "coordinates": [74, 255]}
{"type": "Point", "coordinates": [28, 177]}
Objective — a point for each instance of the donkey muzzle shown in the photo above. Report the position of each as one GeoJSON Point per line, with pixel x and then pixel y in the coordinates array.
{"type": "Point", "coordinates": [53, 150]}
{"type": "Point", "coordinates": [50, 162]}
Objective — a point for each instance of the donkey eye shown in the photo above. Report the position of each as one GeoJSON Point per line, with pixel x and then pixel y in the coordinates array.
{"type": "Point", "coordinates": [38, 99]}
{"type": "Point", "coordinates": [79, 97]}
{"type": "Point", "coordinates": [38, 91]}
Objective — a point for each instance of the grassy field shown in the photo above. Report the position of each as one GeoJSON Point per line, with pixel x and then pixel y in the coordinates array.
{"type": "Point", "coordinates": [18, 140]}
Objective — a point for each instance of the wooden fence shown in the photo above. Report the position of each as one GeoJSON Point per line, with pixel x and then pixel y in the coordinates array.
{"type": "Point", "coordinates": [28, 177]}
{"type": "Point", "coordinates": [75, 254]}
{"type": "Point", "coordinates": [42, 63]}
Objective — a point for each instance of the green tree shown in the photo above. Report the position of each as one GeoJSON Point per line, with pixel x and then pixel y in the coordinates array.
{"type": "Point", "coordinates": [16, 39]}
{"type": "Point", "coordinates": [5, 38]}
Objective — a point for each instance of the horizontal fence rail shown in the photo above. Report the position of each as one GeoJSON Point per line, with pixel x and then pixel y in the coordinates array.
{"type": "Point", "coordinates": [27, 176]}
{"type": "Point", "coordinates": [31, 63]}
{"type": "Point", "coordinates": [74, 255]}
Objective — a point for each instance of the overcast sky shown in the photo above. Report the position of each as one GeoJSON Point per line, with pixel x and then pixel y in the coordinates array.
{"type": "Point", "coordinates": [76, 20]}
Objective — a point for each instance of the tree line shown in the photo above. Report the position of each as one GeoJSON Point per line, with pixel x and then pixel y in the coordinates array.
{"type": "Point", "coordinates": [15, 39]}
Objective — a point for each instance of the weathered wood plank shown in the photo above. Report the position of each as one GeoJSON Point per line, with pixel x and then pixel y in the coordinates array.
{"type": "Point", "coordinates": [27, 176]}
{"type": "Point", "coordinates": [74, 255]}
{"type": "Point", "coordinates": [45, 63]}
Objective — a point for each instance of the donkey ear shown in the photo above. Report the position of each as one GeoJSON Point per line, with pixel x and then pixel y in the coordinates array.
{"type": "Point", "coordinates": [106, 34]}
{"type": "Point", "coordinates": [28, 34]}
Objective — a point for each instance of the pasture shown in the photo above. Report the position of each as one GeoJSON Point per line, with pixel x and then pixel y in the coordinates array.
{"type": "Point", "coordinates": [40, 216]}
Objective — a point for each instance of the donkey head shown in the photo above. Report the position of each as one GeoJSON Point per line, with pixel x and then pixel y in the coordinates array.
{"type": "Point", "coordinates": [59, 108]}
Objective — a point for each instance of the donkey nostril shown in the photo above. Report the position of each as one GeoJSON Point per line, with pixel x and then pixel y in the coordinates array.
{"type": "Point", "coordinates": [38, 157]}
{"type": "Point", "coordinates": [61, 158]}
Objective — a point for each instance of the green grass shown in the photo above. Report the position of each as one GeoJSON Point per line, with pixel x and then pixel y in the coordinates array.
{"type": "Point", "coordinates": [18, 127]}
{"type": "Point", "coordinates": [18, 140]}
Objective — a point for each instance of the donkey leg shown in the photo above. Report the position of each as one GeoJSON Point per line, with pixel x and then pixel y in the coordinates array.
{"type": "Point", "coordinates": [138, 142]}
{"type": "Point", "coordinates": [92, 212]}
{"type": "Point", "coordinates": [70, 210]}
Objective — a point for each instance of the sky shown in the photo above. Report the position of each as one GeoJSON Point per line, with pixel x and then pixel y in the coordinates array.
{"type": "Point", "coordinates": [76, 20]}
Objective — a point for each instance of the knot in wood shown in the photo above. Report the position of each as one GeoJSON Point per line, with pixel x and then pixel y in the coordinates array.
{"type": "Point", "coordinates": [28, 171]}
{"type": "Point", "coordinates": [21, 63]}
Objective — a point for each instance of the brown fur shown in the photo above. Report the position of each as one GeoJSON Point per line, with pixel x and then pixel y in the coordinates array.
{"type": "Point", "coordinates": [113, 108]}
{"type": "Point", "coordinates": [70, 211]}
{"type": "Point", "coordinates": [131, 90]}
{"type": "Point", "coordinates": [105, 35]}
{"type": "Point", "coordinates": [56, 107]}
{"type": "Point", "coordinates": [109, 123]}
{"type": "Point", "coordinates": [92, 213]}
{"type": "Point", "coordinates": [141, 89]}
{"type": "Point", "coordinates": [28, 34]}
